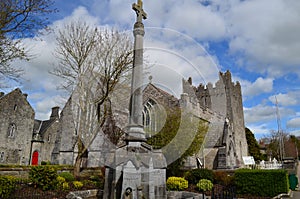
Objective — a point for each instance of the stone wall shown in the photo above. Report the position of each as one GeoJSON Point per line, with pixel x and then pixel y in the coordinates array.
{"type": "Point", "coordinates": [235, 114]}
{"type": "Point", "coordinates": [16, 127]}
{"type": "Point", "coordinates": [218, 105]}
{"type": "Point", "coordinates": [213, 104]}
{"type": "Point", "coordinates": [63, 151]}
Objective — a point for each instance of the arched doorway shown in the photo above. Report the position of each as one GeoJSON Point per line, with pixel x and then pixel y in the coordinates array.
{"type": "Point", "coordinates": [35, 158]}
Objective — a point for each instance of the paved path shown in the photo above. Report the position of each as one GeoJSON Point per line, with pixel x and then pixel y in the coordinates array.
{"type": "Point", "coordinates": [296, 194]}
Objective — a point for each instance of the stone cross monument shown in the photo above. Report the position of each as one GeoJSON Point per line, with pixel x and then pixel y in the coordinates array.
{"type": "Point", "coordinates": [134, 170]}
{"type": "Point", "coordinates": [135, 128]}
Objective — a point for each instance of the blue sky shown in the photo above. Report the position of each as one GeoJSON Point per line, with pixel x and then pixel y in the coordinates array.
{"type": "Point", "coordinates": [257, 40]}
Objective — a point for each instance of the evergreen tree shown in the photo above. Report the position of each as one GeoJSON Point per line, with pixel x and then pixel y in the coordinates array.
{"type": "Point", "coordinates": [253, 146]}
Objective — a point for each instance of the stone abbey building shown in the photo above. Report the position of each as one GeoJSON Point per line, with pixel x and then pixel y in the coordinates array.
{"type": "Point", "coordinates": [26, 140]}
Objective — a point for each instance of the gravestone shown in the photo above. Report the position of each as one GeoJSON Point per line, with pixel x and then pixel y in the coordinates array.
{"type": "Point", "coordinates": [135, 170]}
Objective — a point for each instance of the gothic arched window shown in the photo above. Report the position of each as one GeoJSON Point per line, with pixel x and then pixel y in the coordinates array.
{"type": "Point", "coordinates": [11, 130]}
{"type": "Point", "coordinates": [153, 117]}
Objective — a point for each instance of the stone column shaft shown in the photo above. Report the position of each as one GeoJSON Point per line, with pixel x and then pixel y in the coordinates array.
{"type": "Point", "coordinates": [136, 103]}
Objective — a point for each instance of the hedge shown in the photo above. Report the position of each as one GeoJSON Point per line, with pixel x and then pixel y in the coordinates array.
{"type": "Point", "coordinates": [265, 183]}
{"type": "Point", "coordinates": [7, 186]}
{"type": "Point", "coordinates": [193, 176]}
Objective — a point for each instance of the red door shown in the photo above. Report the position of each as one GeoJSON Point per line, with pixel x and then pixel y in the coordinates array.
{"type": "Point", "coordinates": [35, 158]}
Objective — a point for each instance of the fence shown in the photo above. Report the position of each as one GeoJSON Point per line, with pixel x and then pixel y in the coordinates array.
{"type": "Point", "coordinates": [223, 192]}
{"type": "Point", "coordinates": [269, 165]}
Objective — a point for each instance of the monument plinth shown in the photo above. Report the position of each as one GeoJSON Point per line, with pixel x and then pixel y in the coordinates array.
{"type": "Point", "coordinates": [135, 170]}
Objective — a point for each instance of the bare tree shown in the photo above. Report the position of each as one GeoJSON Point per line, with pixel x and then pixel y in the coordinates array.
{"type": "Point", "coordinates": [273, 147]}
{"type": "Point", "coordinates": [92, 62]}
{"type": "Point", "coordinates": [19, 19]}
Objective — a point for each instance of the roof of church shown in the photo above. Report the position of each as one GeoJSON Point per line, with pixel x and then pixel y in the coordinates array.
{"type": "Point", "coordinates": [18, 91]}
{"type": "Point", "coordinates": [163, 93]}
{"type": "Point", "coordinates": [160, 90]}
{"type": "Point", "coordinates": [42, 126]}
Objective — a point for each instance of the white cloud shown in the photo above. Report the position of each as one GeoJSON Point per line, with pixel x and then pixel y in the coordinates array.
{"type": "Point", "coordinates": [195, 20]}
{"type": "Point", "coordinates": [79, 14]}
{"type": "Point", "coordinates": [40, 85]}
{"type": "Point", "coordinates": [259, 113]}
{"type": "Point", "coordinates": [293, 123]}
{"type": "Point", "coordinates": [259, 86]}
{"type": "Point", "coordinates": [295, 132]}
{"type": "Point", "coordinates": [266, 32]}
{"type": "Point", "coordinates": [262, 114]}
{"type": "Point", "coordinates": [262, 119]}
{"type": "Point", "coordinates": [287, 99]}
{"type": "Point", "coordinates": [263, 33]}
{"type": "Point", "coordinates": [189, 17]}
{"type": "Point", "coordinates": [174, 56]}
{"type": "Point", "coordinates": [259, 131]}
{"type": "Point", "coordinates": [44, 105]}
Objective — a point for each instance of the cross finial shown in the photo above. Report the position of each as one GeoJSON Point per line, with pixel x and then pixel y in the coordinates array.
{"type": "Point", "coordinates": [140, 3]}
{"type": "Point", "coordinates": [140, 13]}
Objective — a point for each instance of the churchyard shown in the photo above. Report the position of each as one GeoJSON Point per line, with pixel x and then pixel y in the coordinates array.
{"type": "Point", "coordinates": [52, 181]}
{"type": "Point", "coordinates": [135, 169]}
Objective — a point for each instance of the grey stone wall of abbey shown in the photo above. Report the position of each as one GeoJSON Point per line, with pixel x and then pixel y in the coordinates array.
{"type": "Point", "coordinates": [63, 152]}
{"type": "Point", "coordinates": [217, 104]}
{"type": "Point", "coordinates": [220, 105]}
{"type": "Point", "coordinates": [16, 127]}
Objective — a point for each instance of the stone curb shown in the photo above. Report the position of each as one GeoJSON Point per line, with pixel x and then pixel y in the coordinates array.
{"type": "Point", "coordinates": [286, 195]}
{"type": "Point", "coordinates": [83, 194]}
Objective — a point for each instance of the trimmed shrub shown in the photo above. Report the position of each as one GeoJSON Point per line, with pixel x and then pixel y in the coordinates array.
{"type": "Point", "coordinates": [177, 184]}
{"type": "Point", "coordinates": [65, 186]}
{"type": "Point", "coordinates": [43, 177]}
{"type": "Point", "coordinates": [7, 186]}
{"type": "Point", "coordinates": [204, 185]}
{"type": "Point", "coordinates": [264, 183]}
{"type": "Point", "coordinates": [46, 163]}
{"type": "Point", "coordinates": [77, 184]}
{"type": "Point", "coordinates": [60, 179]}
{"type": "Point", "coordinates": [68, 176]}
{"type": "Point", "coordinates": [193, 176]}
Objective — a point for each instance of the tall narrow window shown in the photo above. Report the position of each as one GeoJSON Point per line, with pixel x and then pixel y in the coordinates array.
{"type": "Point", "coordinates": [2, 156]}
{"type": "Point", "coordinates": [11, 131]}
{"type": "Point", "coordinates": [153, 117]}
{"type": "Point", "coordinates": [149, 116]}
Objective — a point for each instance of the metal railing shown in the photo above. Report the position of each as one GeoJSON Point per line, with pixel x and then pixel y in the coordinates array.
{"type": "Point", "coordinates": [223, 192]}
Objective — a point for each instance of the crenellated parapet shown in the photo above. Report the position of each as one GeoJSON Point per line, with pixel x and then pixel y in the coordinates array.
{"type": "Point", "coordinates": [221, 105]}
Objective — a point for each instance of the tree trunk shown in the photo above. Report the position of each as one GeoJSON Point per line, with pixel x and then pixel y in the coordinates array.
{"type": "Point", "coordinates": [77, 165]}
{"type": "Point", "coordinates": [78, 161]}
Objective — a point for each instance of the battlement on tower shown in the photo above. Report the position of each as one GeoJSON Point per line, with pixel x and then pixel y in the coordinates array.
{"type": "Point", "coordinates": [212, 96]}
{"type": "Point", "coordinates": [221, 105]}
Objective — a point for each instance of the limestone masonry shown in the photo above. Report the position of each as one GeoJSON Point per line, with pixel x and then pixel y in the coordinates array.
{"type": "Point", "coordinates": [25, 140]}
